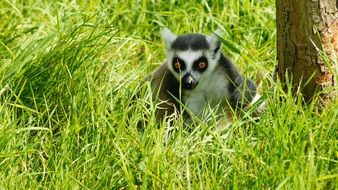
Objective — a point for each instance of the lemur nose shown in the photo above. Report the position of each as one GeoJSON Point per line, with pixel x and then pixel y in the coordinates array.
{"type": "Point", "coordinates": [190, 79]}
{"type": "Point", "coordinates": [189, 82]}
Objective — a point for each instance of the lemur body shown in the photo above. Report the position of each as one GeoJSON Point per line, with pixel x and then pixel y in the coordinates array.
{"type": "Point", "coordinates": [198, 74]}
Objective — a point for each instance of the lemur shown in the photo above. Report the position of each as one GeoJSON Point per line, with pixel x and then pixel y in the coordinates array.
{"type": "Point", "coordinates": [195, 74]}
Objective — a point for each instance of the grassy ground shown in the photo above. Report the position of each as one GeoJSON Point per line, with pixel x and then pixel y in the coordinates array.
{"type": "Point", "coordinates": [69, 68]}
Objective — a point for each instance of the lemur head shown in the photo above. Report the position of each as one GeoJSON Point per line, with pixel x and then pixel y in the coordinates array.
{"type": "Point", "coordinates": [191, 57]}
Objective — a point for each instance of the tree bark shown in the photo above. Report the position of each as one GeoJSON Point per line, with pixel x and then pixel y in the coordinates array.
{"type": "Point", "coordinates": [307, 34]}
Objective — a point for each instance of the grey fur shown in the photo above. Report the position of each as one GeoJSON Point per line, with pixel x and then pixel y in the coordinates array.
{"type": "Point", "coordinates": [190, 41]}
{"type": "Point", "coordinates": [244, 92]}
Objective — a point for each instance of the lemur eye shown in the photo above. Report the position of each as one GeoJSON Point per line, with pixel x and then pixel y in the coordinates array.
{"type": "Point", "coordinates": [202, 65]}
{"type": "Point", "coordinates": [178, 64]}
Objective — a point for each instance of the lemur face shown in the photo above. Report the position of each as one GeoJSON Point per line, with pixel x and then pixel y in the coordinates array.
{"type": "Point", "coordinates": [191, 57]}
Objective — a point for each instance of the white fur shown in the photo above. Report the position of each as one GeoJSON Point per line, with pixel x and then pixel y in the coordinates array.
{"type": "Point", "coordinates": [211, 89]}
{"type": "Point", "coordinates": [254, 101]}
{"type": "Point", "coordinates": [168, 37]}
{"type": "Point", "coordinates": [189, 57]}
{"type": "Point", "coordinates": [213, 39]}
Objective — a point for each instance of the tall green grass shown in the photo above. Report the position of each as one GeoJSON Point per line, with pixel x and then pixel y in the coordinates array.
{"type": "Point", "coordinates": [68, 70]}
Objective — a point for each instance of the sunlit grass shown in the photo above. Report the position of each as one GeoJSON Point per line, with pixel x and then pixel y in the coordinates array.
{"type": "Point", "coordinates": [69, 70]}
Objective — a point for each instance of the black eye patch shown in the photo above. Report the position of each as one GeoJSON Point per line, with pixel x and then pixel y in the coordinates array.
{"type": "Point", "coordinates": [178, 64]}
{"type": "Point", "coordinates": [201, 64]}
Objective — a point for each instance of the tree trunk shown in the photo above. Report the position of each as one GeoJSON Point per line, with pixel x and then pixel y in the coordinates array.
{"type": "Point", "coordinates": [307, 34]}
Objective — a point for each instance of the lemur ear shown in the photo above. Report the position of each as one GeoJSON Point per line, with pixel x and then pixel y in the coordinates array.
{"type": "Point", "coordinates": [214, 41]}
{"type": "Point", "coordinates": [168, 37]}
